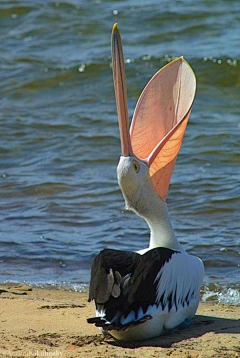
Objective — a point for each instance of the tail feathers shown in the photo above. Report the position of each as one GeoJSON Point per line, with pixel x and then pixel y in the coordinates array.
{"type": "Point", "coordinates": [116, 326]}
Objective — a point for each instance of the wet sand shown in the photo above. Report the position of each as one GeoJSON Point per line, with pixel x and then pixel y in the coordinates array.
{"type": "Point", "coordinates": [37, 322]}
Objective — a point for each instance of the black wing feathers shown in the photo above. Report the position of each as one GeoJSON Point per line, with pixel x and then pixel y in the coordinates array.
{"type": "Point", "coordinates": [138, 287]}
{"type": "Point", "coordinates": [116, 326]}
{"type": "Point", "coordinates": [141, 289]}
{"type": "Point", "coordinates": [106, 267]}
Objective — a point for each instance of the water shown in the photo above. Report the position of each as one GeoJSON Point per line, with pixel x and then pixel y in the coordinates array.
{"type": "Point", "coordinates": [59, 144]}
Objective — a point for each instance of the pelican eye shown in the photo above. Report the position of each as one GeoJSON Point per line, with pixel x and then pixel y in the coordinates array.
{"type": "Point", "coordinates": [136, 166]}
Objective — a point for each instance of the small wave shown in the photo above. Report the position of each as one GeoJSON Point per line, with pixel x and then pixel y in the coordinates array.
{"type": "Point", "coordinates": [229, 296]}
{"type": "Point", "coordinates": [76, 287]}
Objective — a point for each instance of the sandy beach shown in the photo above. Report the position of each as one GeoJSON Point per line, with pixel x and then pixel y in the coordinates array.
{"type": "Point", "coordinates": [37, 322]}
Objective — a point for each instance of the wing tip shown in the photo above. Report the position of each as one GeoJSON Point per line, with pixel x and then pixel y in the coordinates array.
{"type": "Point", "coordinates": [102, 322]}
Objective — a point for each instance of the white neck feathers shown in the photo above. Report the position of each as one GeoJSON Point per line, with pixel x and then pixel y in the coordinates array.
{"type": "Point", "coordinates": [141, 197]}
{"type": "Point", "coordinates": [161, 231]}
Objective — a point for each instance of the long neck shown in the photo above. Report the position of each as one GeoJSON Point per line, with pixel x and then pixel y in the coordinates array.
{"type": "Point", "coordinates": [161, 231]}
{"type": "Point", "coordinates": [141, 197]}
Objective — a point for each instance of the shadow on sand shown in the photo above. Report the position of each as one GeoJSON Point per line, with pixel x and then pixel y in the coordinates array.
{"type": "Point", "coordinates": [200, 326]}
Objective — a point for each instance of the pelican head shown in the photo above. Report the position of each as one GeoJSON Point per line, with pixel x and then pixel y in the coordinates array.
{"type": "Point", "coordinates": [135, 184]}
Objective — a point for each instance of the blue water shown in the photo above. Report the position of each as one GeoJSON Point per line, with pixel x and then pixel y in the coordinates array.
{"type": "Point", "coordinates": [59, 144]}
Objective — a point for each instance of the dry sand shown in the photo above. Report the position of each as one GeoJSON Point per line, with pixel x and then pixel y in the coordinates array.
{"type": "Point", "coordinates": [38, 322]}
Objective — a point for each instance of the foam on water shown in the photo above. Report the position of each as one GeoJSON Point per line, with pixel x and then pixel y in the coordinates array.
{"type": "Point", "coordinates": [229, 296]}
{"type": "Point", "coordinates": [76, 287]}
{"type": "Point", "coordinates": [221, 294]}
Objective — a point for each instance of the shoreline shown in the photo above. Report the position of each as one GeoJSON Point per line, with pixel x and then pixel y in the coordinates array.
{"type": "Point", "coordinates": [40, 322]}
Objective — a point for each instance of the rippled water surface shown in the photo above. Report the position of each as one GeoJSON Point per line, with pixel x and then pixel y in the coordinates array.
{"type": "Point", "coordinates": [59, 144]}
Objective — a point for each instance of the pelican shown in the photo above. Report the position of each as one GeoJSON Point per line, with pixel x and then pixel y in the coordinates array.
{"type": "Point", "coordinates": [139, 295]}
